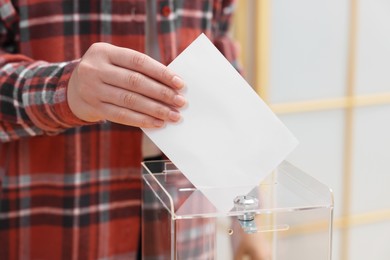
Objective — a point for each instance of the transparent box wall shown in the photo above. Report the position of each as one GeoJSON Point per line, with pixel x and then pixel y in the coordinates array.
{"type": "Point", "coordinates": [291, 220]}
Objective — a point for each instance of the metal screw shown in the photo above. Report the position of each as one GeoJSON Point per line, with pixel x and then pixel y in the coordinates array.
{"type": "Point", "coordinates": [243, 203]}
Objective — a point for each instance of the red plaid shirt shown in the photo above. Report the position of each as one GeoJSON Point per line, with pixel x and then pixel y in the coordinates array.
{"type": "Point", "coordinates": [70, 190]}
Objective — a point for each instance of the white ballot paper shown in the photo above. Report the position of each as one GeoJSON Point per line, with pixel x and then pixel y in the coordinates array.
{"type": "Point", "coordinates": [228, 138]}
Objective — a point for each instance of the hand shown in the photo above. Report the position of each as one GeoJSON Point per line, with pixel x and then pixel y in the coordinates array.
{"type": "Point", "coordinates": [252, 246]}
{"type": "Point", "coordinates": [124, 86]}
{"type": "Point", "coordinates": [255, 246]}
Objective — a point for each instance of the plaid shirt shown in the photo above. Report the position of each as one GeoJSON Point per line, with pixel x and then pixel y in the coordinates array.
{"type": "Point", "coordinates": [69, 190]}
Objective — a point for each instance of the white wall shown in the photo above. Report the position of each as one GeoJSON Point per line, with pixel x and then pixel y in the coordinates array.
{"type": "Point", "coordinates": [308, 60]}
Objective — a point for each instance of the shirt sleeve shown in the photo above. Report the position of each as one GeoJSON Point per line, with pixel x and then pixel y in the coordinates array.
{"type": "Point", "coordinates": [33, 99]}
{"type": "Point", "coordinates": [223, 14]}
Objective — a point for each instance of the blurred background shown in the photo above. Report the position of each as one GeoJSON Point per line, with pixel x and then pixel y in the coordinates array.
{"type": "Point", "coordinates": [324, 68]}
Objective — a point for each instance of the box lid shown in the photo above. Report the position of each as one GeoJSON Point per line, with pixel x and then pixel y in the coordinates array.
{"type": "Point", "coordinates": [286, 189]}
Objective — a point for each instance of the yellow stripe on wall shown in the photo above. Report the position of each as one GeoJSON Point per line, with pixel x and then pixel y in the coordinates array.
{"type": "Point", "coordinates": [331, 103]}
{"type": "Point", "coordinates": [262, 51]}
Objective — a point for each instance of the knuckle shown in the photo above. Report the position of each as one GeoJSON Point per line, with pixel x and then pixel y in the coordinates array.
{"type": "Point", "coordinates": [134, 79]}
{"type": "Point", "coordinates": [98, 48]}
{"type": "Point", "coordinates": [128, 99]}
{"type": "Point", "coordinates": [139, 59]}
{"type": "Point", "coordinates": [95, 46]}
{"type": "Point", "coordinates": [93, 49]}
{"type": "Point", "coordinates": [120, 116]}
{"type": "Point", "coordinates": [165, 94]}
{"type": "Point", "coordinates": [144, 122]}
{"type": "Point", "coordinates": [161, 112]}
{"type": "Point", "coordinates": [166, 74]}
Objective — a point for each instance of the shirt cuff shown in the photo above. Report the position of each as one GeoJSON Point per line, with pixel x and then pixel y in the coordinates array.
{"type": "Point", "coordinates": [61, 107]}
{"type": "Point", "coordinates": [49, 110]}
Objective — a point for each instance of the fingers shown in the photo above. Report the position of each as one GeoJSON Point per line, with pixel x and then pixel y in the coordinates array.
{"type": "Point", "coordinates": [138, 103]}
{"type": "Point", "coordinates": [124, 86]}
{"type": "Point", "coordinates": [136, 61]}
{"type": "Point", "coordinates": [125, 116]}
{"type": "Point", "coordinates": [142, 84]}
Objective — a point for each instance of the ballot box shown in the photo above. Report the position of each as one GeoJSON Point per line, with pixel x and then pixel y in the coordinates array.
{"type": "Point", "coordinates": [288, 215]}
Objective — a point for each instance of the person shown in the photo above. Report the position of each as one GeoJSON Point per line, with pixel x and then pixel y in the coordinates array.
{"type": "Point", "coordinates": [75, 88]}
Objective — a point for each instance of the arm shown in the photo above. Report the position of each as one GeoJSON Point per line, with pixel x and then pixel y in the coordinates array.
{"type": "Point", "coordinates": [108, 83]}
{"type": "Point", "coordinates": [33, 97]}
{"type": "Point", "coordinates": [32, 93]}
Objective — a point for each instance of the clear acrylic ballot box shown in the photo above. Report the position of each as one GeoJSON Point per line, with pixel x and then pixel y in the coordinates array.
{"type": "Point", "coordinates": [286, 216]}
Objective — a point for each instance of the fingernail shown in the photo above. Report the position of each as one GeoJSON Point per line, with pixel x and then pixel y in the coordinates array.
{"type": "Point", "coordinates": [174, 116]}
{"type": "Point", "coordinates": [179, 100]}
{"type": "Point", "coordinates": [158, 123]}
{"type": "Point", "coordinates": [178, 82]}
